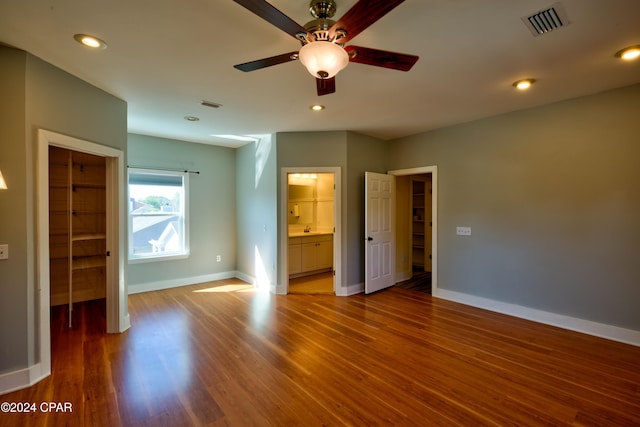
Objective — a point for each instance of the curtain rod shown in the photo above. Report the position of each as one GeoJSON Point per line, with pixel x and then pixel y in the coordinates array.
{"type": "Point", "coordinates": [163, 169]}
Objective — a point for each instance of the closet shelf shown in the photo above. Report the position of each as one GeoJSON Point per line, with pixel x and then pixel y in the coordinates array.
{"type": "Point", "coordinates": [90, 186]}
{"type": "Point", "coordinates": [85, 212]}
{"type": "Point", "coordinates": [88, 236]}
{"type": "Point", "coordinates": [85, 262]}
{"type": "Point", "coordinates": [77, 224]}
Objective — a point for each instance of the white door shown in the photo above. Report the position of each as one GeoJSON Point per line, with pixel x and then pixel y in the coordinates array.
{"type": "Point", "coordinates": [379, 224]}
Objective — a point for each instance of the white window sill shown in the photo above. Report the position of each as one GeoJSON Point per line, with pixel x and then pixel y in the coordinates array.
{"type": "Point", "coordinates": [140, 260]}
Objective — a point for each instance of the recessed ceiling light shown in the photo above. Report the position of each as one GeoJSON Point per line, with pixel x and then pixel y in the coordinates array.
{"type": "Point", "coordinates": [523, 84]}
{"type": "Point", "coordinates": [191, 118]}
{"type": "Point", "coordinates": [629, 53]}
{"type": "Point", "coordinates": [317, 107]}
{"type": "Point", "coordinates": [90, 41]}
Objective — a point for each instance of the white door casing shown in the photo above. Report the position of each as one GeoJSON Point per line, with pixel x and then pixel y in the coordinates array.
{"type": "Point", "coordinates": [380, 239]}
{"type": "Point", "coordinates": [338, 264]}
{"type": "Point", "coordinates": [117, 310]}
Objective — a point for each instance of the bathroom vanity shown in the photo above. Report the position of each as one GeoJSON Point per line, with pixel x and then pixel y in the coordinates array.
{"type": "Point", "coordinates": [310, 253]}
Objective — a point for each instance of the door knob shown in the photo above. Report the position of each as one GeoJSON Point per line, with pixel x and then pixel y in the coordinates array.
{"type": "Point", "coordinates": [369, 238]}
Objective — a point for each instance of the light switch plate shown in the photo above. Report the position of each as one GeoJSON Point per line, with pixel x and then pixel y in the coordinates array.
{"type": "Point", "coordinates": [463, 231]}
{"type": "Point", "coordinates": [4, 251]}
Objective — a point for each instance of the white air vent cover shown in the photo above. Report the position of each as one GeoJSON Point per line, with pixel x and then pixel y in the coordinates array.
{"type": "Point", "coordinates": [546, 20]}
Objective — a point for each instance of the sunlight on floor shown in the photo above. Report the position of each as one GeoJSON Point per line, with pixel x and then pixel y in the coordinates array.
{"type": "Point", "coordinates": [230, 288]}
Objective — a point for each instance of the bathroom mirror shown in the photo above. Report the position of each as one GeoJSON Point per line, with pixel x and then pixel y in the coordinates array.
{"type": "Point", "coordinates": [300, 204]}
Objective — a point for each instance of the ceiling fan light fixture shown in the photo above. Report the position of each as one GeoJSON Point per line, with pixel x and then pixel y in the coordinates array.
{"type": "Point", "coordinates": [323, 59]}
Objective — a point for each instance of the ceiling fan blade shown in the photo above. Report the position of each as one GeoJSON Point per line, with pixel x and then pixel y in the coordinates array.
{"type": "Point", "coordinates": [326, 86]}
{"type": "Point", "coordinates": [267, 62]}
{"type": "Point", "coordinates": [362, 15]}
{"type": "Point", "coordinates": [381, 58]}
{"type": "Point", "coordinates": [272, 15]}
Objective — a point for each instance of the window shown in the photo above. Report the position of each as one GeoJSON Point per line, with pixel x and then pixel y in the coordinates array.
{"type": "Point", "coordinates": [158, 215]}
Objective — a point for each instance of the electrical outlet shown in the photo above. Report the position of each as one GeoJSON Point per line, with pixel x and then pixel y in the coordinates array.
{"type": "Point", "coordinates": [463, 231]}
{"type": "Point", "coordinates": [4, 251]}
{"type": "Point", "coordinates": [218, 258]}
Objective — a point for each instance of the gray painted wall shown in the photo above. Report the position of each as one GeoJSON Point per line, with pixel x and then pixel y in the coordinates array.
{"type": "Point", "coordinates": [14, 304]}
{"type": "Point", "coordinates": [553, 198]}
{"type": "Point", "coordinates": [364, 154]}
{"type": "Point", "coordinates": [256, 201]}
{"type": "Point", "coordinates": [354, 154]}
{"type": "Point", "coordinates": [37, 95]}
{"type": "Point", "coordinates": [212, 208]}
{"type": "Point", "coordinates": [314, 149]}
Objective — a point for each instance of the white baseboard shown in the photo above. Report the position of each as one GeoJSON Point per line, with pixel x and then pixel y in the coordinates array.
{"type": "Point", "coordinates": [352, 290]}
{"type": "Point", "coordinates": [245, 277]}
{"type": "Point", "coordinates": [23, 378]}
{"type": "Point", "coordinates": [401, 277]}
{"type": "Point", "coordinates": [185, 281]}
{"type": "Point", "coordinates": [602, 330]}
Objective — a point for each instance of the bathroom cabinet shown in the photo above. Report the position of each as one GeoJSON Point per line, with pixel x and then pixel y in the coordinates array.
{"type": "Point", "coordinates": [310, 254]}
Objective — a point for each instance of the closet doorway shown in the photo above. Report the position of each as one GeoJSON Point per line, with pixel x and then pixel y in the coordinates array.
{"type": "Point", "coordinates": [421, 223]}
{"type": "Point", "coordinates": [416, 228]}
{"type": "Point", "coordinates": [117, 316]}
{"type": "Point", "coordinates": [77, 231]}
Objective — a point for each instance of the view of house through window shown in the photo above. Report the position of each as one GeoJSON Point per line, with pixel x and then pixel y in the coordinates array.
{"type": "Point", "coordinates": [157, 214]}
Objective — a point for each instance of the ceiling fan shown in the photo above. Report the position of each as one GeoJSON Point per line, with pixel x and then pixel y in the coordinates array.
{"type": "Point", "coordinates": [323, 40]}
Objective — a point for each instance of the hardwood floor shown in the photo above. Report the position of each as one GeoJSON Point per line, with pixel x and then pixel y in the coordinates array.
{"type": "Point", "coordinates": [420, 282]}
{"type": "Point", "coordinates": [221, 354]}
{"type": "Point", "coordinates": [321, 283]}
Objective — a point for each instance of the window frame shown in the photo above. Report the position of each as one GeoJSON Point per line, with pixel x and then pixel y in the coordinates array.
{"type": "Point", "coordinates": [159, 256]}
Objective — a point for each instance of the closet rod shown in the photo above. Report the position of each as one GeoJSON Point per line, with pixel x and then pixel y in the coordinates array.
{"type": "Point", "coordinates": [163, 169]}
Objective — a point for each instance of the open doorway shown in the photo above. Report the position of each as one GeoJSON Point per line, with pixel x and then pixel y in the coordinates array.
{"type": "Point", "coordinates": [310, 230]}
{"type": "Point", "coordinates": [117, 316]}
{"type": "Point", "coordinates": [420, 222]}
{"type": "Point", "coordinates": [77, 232]}
{"type": "Point", "coordinates": [416, 228]}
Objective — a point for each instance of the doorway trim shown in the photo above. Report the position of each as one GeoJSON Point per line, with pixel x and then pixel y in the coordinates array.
{"type": "Point", "coordinates": [117, 311]}
{"type": "Point", "coordinates": [433, 170]}
{"type": "Point", "coordinates": [284, 225]}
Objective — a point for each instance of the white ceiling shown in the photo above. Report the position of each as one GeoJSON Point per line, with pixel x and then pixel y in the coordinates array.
{"type": "Point", "coordinates": [165, 56]}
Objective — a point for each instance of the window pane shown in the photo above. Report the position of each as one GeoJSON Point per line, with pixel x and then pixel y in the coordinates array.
{"type": "Point", "coordinates": [156, 214]}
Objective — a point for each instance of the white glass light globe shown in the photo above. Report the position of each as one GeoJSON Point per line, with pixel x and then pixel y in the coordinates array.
{"type": "Point", "coordinates": [323, 59]}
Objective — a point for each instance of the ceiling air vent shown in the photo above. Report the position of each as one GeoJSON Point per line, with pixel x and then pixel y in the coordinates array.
{"type": "Point", "coordinates": [546, 20]}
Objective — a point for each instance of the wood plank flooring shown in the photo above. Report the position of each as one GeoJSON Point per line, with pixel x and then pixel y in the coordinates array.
{"type": "Point", "coordinates": [221, 354]}
{"type": "Point", "coordinates": [321, 283]}
{"type": "Point", "coordinates": [420, 282]}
